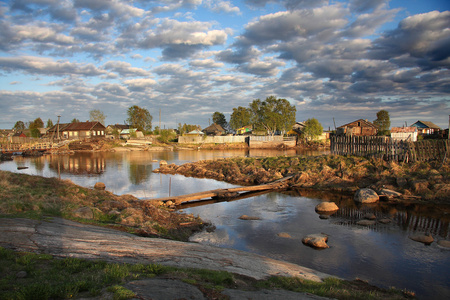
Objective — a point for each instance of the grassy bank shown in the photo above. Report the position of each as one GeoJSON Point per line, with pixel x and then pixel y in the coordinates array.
{"type": "Point", "coordinates": [40, 276]}
{"type": "Point", "coordinates": [37, 197]}
{"type": "Point", "coordinates": [422, 181]}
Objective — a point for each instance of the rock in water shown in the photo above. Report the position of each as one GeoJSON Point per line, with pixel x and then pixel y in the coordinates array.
{"type": "Point", "coordinates": [317, 240]}
{"type": "Point", "coordinates": [366, 196]}
{"type": "Point", "coordinates": [327, 207]}
{"type": "Point", "coordinates": [422, 238]}
{"type": "Point", "coordinates": [99, 186]}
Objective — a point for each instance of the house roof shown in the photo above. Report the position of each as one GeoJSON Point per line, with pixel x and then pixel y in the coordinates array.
{"type": "Point", "coordinates": [403, 129]}
{"type": "Point", "coordinates": [82, 126]}
{"type": "Point", "coordinates": [425, 124]}
{"type": "Point", "coordinates": [120, 126]}
{"type": "Point", "coordinates": [195, 132]}
{"type": "Point", "coordinates": [128, 130]}
{"type": "Point", "coordinates": [364, 123]}
{"type": "Point", "coordinates": [213, 128]}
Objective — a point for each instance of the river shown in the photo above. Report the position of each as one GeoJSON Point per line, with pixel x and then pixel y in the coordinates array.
{"type": "Point", "coordinates": [382, 254]}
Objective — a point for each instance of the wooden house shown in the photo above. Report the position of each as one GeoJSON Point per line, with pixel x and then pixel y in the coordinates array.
{"type": "Point", "coordinates": [214, 129]}
{"type": "Point", "coordinates": [78, 130]}
{"type": "Point", "coordinates": [426, 127]}
{"type": "Point", "coordinates": [359, 127]}
{"type": "Point", "coordinates": [110, 129]}
{"type": "Point", "coordinates": [404, 133]}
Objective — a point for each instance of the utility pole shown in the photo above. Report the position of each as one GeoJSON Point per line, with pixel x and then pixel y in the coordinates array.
{"type": "Point", "coordinates": [160, 121]}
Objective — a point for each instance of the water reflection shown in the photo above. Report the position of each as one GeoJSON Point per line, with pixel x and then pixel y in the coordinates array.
{"type": "Point", "coordinates": [382, 254]}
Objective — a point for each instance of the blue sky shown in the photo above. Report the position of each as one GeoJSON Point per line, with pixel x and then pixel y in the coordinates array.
{"type": "Point", "coordinates": [333, 60]}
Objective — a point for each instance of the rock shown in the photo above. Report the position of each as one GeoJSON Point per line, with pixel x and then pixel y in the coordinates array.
{"type": "Point", "coordinates": [370, 216]}
{"type": "Point", "coordinates": [366, 222]}
{"type": "Point", "coordinates": [326, 207]}
{"type": "Point", "coordinates": [21, 274]}
{"type": "Point", "coordinates": [162, 163]}
{"type": "Point", "coordinates": [245, 217]}
{"type": "Point", "coordinates": [324, 217]}
{"type": "Point", "coordinates": [99, 186]}
{"type": "Point", "coordinates": [401, 182]}
{"type": "Point", "coordinates": [385, 221]}
{"type": "Point", "coordinates": [420, 185]}
{"type": "Point", "coordinates": [317, 240]}
{"type": "Point", "coordinates": [366, 196]}
{"type": "Point", "coordinates": [155, 288]}
{"type": "Point", "coordinates": [84, 213]}
{"type": "Point", "coordinates": [444, 244]}
{"type": "Point", "coordinates": [388, 194]}
{"type": "Point", "coordinates": [284, 235]}
{"type": "Point", "coordinates": [422, 238]}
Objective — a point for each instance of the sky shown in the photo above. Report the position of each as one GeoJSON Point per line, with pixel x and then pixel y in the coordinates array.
{"type": "Point", "coordinates": [183, 60]}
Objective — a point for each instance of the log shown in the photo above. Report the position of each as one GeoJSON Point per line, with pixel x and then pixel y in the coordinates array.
{"type": "Point", "coordinates": [224, 193]}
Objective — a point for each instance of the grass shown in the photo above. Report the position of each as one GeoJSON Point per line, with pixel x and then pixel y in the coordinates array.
{"type": "Point", "coordinates": [40, 276]}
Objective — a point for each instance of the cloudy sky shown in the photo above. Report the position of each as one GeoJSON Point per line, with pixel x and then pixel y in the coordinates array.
{"type": "Point", "coordinates": [333, 60]}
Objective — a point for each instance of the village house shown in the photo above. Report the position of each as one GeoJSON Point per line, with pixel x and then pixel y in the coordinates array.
{"type": "Point", "coordinates": [78, 130]}
{"type": "Point", "coordinates": [131, 133]}
{"type": "Point", "coordinates": [214, 129]}
{"type": "Point", "coordinates": [426, 127]}
{"type": "Point", "coordinates": [110, 129]}
{"type": "Point", "coordinates": [404, 133]}
{"type": "Point", "coordinates": [358, 128]}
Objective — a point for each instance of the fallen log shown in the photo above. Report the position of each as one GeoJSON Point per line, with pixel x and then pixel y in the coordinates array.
{"type": "Point", "coordinates": [225, 193]}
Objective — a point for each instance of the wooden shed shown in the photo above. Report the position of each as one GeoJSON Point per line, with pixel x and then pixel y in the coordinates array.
{"type": "Point", "coordinates": [214, 129]}
{"type": "Point", "coordinates": [404, 133]}
{"type": "Point", "coordinates": [359, 127]}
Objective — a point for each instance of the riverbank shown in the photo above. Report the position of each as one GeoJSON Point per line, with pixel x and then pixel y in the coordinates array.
{"type": "Point", "coordinates": [31, 207]}
{"type": "Point", "coordinates": [417, 182]}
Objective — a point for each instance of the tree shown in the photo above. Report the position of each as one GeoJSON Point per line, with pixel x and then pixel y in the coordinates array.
{"type": "Point", "coordinates": [96, 115]}
{"type": "Point", "coordinates": [240, 117]}
{"type": "Point", "coordinates": [272, 115]}
{"type": "Point", "coordinates": [139, 118]}
{"type": "Point", "coordinates": [75, 120]}
{"type": "Point", "coordinates": [383, 122]}
{"type": "Point", "coordinates": [312, 129]}
{"type": "Point", "coordinates": [219, 118]}
{"type": "Point", "coordinates": [185, 128]}
{"type": "Point", "coordinates": [34, 127]}
{"type": "Point", "coordinates": [49, 123]}
{"type": "Point", "coordinates": [19, 126]}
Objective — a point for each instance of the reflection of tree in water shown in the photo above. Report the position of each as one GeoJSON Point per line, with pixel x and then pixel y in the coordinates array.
{"type": "Point", "coordinates": [87, 163]}
{"type": "Point", "coordinates": [139, 173]}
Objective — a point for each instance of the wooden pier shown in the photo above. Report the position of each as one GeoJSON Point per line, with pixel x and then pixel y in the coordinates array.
{"type": "Point", "coordinates": [222, 194]}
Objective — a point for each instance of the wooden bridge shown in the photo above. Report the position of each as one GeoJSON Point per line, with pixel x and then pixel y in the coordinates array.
{"type": "Point", "coordinates": [11, 148]}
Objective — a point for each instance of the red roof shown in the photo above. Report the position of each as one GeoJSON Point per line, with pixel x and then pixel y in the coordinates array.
{"type": "Point", "coordinates": [403, 129]}
{"type": "Point", "coordinates": [83, 126]}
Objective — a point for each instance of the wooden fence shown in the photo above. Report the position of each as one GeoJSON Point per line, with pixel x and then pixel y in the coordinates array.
{"type": "Point", "coordinates": [389, 149]}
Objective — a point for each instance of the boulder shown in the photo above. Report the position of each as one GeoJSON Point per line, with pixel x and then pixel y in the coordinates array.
{"type": "Point", "coordinates": [245, 217]}
{"type": "Point", "coordinates": [84, 213]}
{"type": "Point", "coordinates": [366, 196]}
{"type": "Point", "coordinates": [99, 186]}
{"type": "Point", "coordinates": [317, 240]}
{"type": "Point", "coordinates": [370, 216]}
{"type": "Point", "coordinates": [385, 221]}
{"type": "Point", "coordinates": [401, 181]}
{"type": "Point", "coordinates": [420, 185]}
{"type": "Point", "coordinates": [366, 222]}
{"type": "Point", "coordinates": [326, 207]}
{"type": "Point", "coordinates": [284, 235]}
{"type": "Point", "coordinates": [422, 238]}
{"type": "Point", "coordinates": [444, 244]}
{"type": "Point", "coordinates": [388, 194]}
{"type": "Point", "coordinates": [162, 163]}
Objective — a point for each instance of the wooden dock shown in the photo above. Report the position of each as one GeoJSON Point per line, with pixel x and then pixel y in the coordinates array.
{"type": "Point", "coordinates": [223, 194]}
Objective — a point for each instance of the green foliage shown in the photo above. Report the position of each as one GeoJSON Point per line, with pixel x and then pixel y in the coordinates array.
{"type": "Point", "coordinates": [383, 122]}
{"type": "Point", "coordinates": [167, 135]}
{"type": "Point", "coordinates": [121, 293]}
{"type": "Point", "coordinates": [312, 130]}
{"type": "Point", "coordinates": [240, 117]}
{"type": "Point", "coordinates": [139, 118]}
{"type": "Point", "coordinates": [49, 123]}
{"type": "Point", "coordinates": [185, 128]}
{"type": "Point", "coordinates": [19, 126]}
{"type": "Point", "coordinates": [96, 115]}
{"type": "Point", "coordinates": [75, 120]}
{"type": "Point", "coordinates": [272, 115]}
{"type": "Point", "coordinates": [219, 118]}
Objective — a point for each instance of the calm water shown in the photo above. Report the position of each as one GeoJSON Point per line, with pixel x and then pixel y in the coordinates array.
{"type": "Point", "coordinates": [381, 254]}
